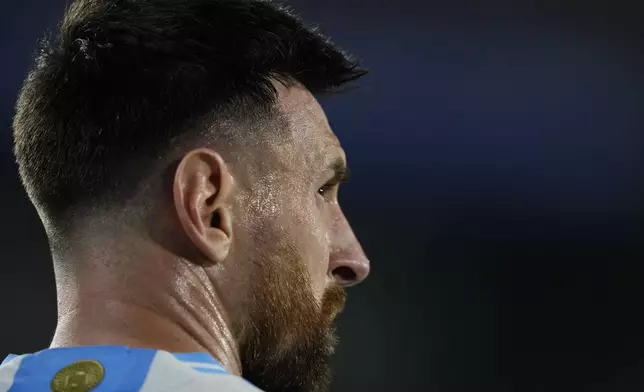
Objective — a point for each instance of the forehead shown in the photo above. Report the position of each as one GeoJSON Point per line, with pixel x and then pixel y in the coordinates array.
{"type": "Point", "coordinates": [310, 140]}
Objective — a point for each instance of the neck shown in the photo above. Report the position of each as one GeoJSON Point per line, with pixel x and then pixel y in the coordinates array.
{"type": "Point", "coordinates": [161, 303]}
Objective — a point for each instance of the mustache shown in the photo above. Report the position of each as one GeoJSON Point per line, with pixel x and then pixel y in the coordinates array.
{"type": "Point", "coordinates": [333, 302]}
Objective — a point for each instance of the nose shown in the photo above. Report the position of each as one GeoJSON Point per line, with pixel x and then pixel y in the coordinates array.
{"type": "Point", "coordinates": [348, 264]}
{"type": "Point", "coordinates": [349, 271]}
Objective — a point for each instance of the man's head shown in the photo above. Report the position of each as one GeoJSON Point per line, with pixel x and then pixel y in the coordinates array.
{"type": "Point", "coordinates": [196, 123]}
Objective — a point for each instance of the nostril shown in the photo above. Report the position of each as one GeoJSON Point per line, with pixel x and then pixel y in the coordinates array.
{"type": "Point", "coordinates": [345, 274]}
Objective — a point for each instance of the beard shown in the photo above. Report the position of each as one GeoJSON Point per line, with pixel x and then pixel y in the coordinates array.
{"type": "Point", "coordinates": [289, 337]}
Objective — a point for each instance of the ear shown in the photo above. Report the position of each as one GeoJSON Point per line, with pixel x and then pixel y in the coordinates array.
{"type": "Point", "coordinates": [202, 190]}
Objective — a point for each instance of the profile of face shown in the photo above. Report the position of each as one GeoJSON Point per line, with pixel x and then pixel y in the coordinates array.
{"type": "Point", "coordinates": [289, 251]}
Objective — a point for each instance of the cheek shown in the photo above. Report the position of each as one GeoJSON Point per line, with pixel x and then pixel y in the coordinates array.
{"type": "Point", "coordinates": [313, 240]}
{"type": "Point", "coordinates": [298, 219]}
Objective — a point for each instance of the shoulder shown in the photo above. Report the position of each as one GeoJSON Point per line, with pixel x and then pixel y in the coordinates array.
{"type": "Point", "coordinates": [122, 369]}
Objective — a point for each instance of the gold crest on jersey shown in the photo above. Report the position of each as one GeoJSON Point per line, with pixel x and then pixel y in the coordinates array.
{"type": "Point", "coordinates": [81, 376]}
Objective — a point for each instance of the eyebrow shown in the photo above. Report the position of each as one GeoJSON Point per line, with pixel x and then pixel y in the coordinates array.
{"type": "Point", "coordinates": [340, 171]}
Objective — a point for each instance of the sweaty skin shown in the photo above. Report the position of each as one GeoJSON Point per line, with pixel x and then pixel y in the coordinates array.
{"type": "Point", "coordinates": [266, 280]}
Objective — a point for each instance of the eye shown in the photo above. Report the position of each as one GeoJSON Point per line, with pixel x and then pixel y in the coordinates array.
{"type": "Point", "coordinates": [325, 190]}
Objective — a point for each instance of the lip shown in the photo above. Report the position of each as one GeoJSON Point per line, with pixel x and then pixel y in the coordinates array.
{"type": "Point", "coordinates": [336, 312]}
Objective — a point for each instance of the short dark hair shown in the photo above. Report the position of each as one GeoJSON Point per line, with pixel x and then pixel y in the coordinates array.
{"type": "Point", "coordinates": [117, 85]}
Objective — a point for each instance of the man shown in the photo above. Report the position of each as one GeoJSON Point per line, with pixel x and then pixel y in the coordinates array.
{"type": "Point", "coordinates": [187, 179]}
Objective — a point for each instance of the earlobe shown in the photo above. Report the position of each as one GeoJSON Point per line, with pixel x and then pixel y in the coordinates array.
{"type": "Point", "coordinates": [202, 190]}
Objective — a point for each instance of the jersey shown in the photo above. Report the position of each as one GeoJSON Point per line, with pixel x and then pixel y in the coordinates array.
{"type": "Point", "coordinates": [117, 369]}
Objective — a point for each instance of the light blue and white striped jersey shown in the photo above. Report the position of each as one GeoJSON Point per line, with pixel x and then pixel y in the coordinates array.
{"type": "Point", "coordinates": [117, 369]}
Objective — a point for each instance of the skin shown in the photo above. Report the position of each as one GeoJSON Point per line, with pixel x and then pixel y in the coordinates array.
{"type": "Point", "coordinates": [247, 262]}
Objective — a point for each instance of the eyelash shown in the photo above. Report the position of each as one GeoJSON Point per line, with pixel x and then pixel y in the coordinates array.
{"type": "Point", "coordinates": [326, 188]}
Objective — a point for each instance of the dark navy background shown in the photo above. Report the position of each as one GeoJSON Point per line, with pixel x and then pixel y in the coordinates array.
{"type": "Point", "coordinates": [498, 189]}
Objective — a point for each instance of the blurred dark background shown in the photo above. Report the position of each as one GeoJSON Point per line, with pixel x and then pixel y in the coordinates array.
{"type": "Point", "coordinates": [498, 189]}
